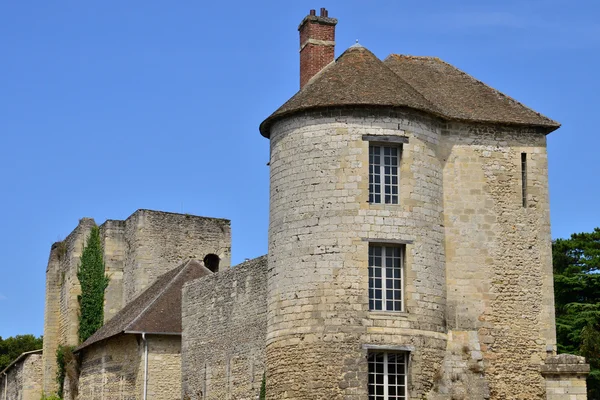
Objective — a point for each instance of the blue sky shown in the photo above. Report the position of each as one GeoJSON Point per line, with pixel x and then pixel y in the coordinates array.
{"type": "Point", "coordinates": [107, 107]}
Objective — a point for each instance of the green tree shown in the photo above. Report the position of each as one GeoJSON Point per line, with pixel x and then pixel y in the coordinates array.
{"type": "Point", "coordinates": [12, 347]}
{"type": "Point", "coordinates": [576, 263]}
{"type": "Point", "coordinates": [93, 281]}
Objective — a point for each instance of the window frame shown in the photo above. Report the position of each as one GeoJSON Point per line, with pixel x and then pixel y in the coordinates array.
{"type": "Point", "coordinates": [384, 278]}
{"type": "Point", "coordinates": [382, 156]}
{"type": "Point", "coordinates": [372, 371]}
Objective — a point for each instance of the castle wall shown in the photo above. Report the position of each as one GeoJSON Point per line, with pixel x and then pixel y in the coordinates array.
{"type": "Point", "coordinates": [321, 224]}
{"type": "Point", "coordinates": [136, 252]}
{"type": "Point", "coordinates": [112, 369]}
{"type": "Point", "coordinates": [112, 234]}
{"type": "Point", "coordinates": [23, 381]}
{"type": "Point", "coordinates": [51, 319]}
{"type": "Point", "coordinates": [498, 256]}
{"type": "Point", "coordinates": [224, 332]}
{"type": "Point", "coordinates": [61, 319]}
{"type": "Point", "coordinates": [158, 242]}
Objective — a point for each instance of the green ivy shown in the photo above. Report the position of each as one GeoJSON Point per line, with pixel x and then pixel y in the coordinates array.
{"type": "Point", "coordinates": [263, 388]}
{"type": "Point", "coordinates": [63, 355]}
{"type": "Point", "coordinates": [93, 282]}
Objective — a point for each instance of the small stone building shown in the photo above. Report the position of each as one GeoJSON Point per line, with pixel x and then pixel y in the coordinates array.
{"type": "Point", "coordinates": [22, 379]}
{"type": "Point", "coordinates": [137, 353]}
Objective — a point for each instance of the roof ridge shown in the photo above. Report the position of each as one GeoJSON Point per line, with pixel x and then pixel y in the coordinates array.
{"type": "Point", "coordinates": [160, 293]}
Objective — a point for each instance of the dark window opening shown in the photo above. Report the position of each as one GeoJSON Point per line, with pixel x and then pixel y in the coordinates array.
{"type": "Point", "coordinates": [211, 261]}
{"type": "Point", "coordinates": [524, 178]}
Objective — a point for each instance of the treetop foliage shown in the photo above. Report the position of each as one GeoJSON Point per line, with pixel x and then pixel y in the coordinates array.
{"type": "Point", "coordinates": [12, 347]}
{"type": "Point", "coordinates": [576, 263]}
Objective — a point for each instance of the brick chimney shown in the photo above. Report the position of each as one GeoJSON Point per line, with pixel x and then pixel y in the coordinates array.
{"type": "Point", "coordinates": [317, 44]}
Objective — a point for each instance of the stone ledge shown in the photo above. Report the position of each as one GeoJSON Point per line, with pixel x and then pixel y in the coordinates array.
{"type": "Point", "coordinates": [564, 364]}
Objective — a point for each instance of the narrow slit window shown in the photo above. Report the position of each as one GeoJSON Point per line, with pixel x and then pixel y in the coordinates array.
{"type": "Point", "coordinates": [524, 178]}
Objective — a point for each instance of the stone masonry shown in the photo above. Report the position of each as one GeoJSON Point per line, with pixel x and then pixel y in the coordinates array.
{"type": "Point", "coordinates": [224, 332]}
{"type": "Point", "coordinates": [136, 251]}
{"type": "Point", "coordinates": [22, 380]}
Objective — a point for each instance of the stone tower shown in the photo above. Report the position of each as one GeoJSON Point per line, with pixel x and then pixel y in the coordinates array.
{"type": "Point", "coordinates": [409, 240]}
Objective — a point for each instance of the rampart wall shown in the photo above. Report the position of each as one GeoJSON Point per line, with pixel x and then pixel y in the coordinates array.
{"type": "Point", "coordinates": [224, 332]}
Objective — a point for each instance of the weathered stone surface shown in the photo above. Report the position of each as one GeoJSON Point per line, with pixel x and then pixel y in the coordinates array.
{"type": "Point", "coordinates": [224, 332]}
{"type": "Point", "coordinates": [23, 380]}
{"type": "Point", "coordinates": [320, 227]}
{"type": "Point", "coordinates": [114, 369]}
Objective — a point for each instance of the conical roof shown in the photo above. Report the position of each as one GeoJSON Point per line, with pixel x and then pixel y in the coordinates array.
{"type": "Point", "coordinates": [356, 78]}
{"type": "Point", "coordinates": [359, 78]}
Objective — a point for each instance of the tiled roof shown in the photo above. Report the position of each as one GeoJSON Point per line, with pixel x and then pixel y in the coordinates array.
{"type": "Point", "coordinates": [459, 95]}
{"type": "Point", "coordinates": [359, 78]}
{"type": "Point", "coordinates": [157, 310]}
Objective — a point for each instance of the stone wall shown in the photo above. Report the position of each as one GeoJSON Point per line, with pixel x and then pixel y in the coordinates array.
{"type": "Point", "coordinates": [158, 242]}
{"type": "Point", "coordinates": [136, 251]}
{"type": "Point", "coordinates": [224, 332]}
{"type": "Point", "coordinates": [498, 252]}
{"type": "Point", "coordinates": [321, 224]}
{"type": "Point", "coordinates": [61, 320]}
{"type": "Point", "coordinates": [115, 248]}
{"type": "Point", "coordinates": [164, 367]}
{"type": "Point", "coordinates": [112, 369]}
{"type": "Point", "coordinates": [23, 380]}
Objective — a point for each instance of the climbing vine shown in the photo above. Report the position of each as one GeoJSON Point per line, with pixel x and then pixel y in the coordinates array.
{"type": "Point", "coordinates": [263, 388]}
{"type": "Point", "coordinates": [63, 354]}
{"type": "Point", "coordinates": [93, 281]}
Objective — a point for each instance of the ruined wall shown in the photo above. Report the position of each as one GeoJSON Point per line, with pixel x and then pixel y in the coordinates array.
{"type": "Point", "coordinates": [23, 380]}
{"type": "Point", "coordinates": [112, 234]}
{"type": "Point", "coordinates": [136, 251]}
{"type": "Point", "coordinates": [498, 254]}
{"type": "Point", "coordinates": [158, 242]}
{"type": "Point", "coordinates": [320, 227]}
{"type": "Point", "coordinates": [61, 320]}
{"type": "Point", "coordinates": [112, 369]}
{"type": "Point", "coordinates": [224, 333]}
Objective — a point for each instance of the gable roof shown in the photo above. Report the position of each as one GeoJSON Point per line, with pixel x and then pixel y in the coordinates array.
{"type": "Point", "coordinates": [157, 310]}
{"type": "Point", "coordinates": [359, 78]}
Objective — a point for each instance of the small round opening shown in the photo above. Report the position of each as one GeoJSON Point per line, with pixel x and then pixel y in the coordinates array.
{"type": "Point", "coordinates": [211, 261]}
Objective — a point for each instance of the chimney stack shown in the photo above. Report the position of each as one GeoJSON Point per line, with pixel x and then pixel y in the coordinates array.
{"type": "Point", "coordinates": [317, 44]}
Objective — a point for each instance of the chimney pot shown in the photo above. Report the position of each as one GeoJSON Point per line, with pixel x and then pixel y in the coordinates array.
{"type": "Point", "coordinates": [322, 11]}
{"type": "Point", "coordinates": [313, 12]}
